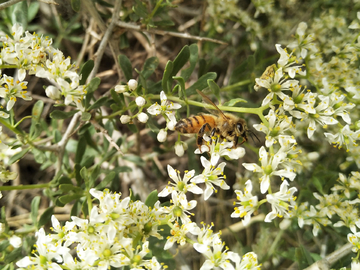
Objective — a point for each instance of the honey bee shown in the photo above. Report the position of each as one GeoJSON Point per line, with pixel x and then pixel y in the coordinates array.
{"type": "Point", "coordinates": [225, 125]}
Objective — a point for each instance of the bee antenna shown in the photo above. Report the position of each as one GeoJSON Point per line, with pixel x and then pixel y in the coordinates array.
{"type": "Point", "coordinates": [252, 135]}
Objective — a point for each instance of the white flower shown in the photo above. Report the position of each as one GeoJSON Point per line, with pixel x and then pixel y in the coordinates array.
{"type": "Point", "coordinates": [15, 241]}
{"type": "Point", "coordinates": [211, 176]}
{"type": "Point", "coordinates": [11, 90]}
{"type": "Point", "coordinates": [120, 88]}
{"type": "Point", "coordinates": [161, 137]}
{"type": "Point", "coordinates": [166, 109]}
{"type": "Point", "coordinates": [132, 84]}
{"type": "Point", "coordinates": [249, 262]}
{"type": "Point", "coordinates": [180, 207]}
{"type": "Point", "coordinates": [178, 234]}
{"type": "Point", "coordinates": [215, 257]}
{"type": "Point", "coordinates": [143, 117]}
{"type": "Point", "coordinates": [269, 167]}
{"type": "Point", "coordinates": [140, 101]}
{"type": "Point", "coordinates": [218, 148]}
{"type": "Point", "coordinates": [277, 126]}
{"type": "Point", "coordinates": [53, 92]}
{"type": "Point", "coordinates": [345, 137]}
{"type": "Point", "coordinates": [355, 265]}
{"type": "Point", "coordinates": [180, 148]}
{"type": "Point", "coordinates": [248, 202]}
{"type": "Point", "coordinates": [276, 85]}
{"type": "Point", "coordinates": [181, 185]}
{"type": "Point", "coordinates": [280, 202]}
{"type": "Point", "coordinates": [124, 119]}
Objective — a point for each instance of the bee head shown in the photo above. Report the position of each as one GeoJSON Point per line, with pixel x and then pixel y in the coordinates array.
{"type": "Point", "coordinates": [240, 127]}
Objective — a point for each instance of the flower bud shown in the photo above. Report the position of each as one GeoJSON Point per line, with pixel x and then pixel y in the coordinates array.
{"type": "Point", "coordinates": [162, 135]}
{"type": "Point", "coordinates": [180, 148]}
{"type": "Point", "coordinates": [53, 92]}
{"type": "Point", "coordinates": [120, 88]}
{"type": "Point", "coordinates": [140, 101]}
{"type": "Point", "coordinates": [124, 119]}
{"type": "Point", "coordinates": [143, 117]}
{"type": "Point", "coordinates": [132, 84]}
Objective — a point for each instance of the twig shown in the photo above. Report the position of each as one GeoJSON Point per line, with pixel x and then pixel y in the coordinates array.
{"type": "Point", "coordinates": [9, 3]}
{"type": "Point", "coordinates": [329, 260]}
{"type": "Point", "coordinates": [95, 15]}
{"type": "Point", "coordinates": [105, 40]}
{"type": "Point", "coordinates": [104, 131]}
{"type": "Point", "coordinates": [61, 145]}
{"type": "Point", "coordinates": [170, 33]}
{"type": "Point", "coordinates": [239, 226]}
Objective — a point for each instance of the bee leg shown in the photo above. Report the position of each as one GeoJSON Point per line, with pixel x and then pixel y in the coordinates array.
{"type": "Point", "coordinates": [235, 141]}
{"type": "Point", "coordinates": [201, 133]}
{"type": "Point", "coordinates": [244, 139]}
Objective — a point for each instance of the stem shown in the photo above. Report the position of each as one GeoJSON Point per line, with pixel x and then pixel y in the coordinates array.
{"type": "Point", "coordinates": [232, 86]}
{"type": "Point", "coordinates": [10, 127]}
{"type": "Point", "coordinates": [23, 187]}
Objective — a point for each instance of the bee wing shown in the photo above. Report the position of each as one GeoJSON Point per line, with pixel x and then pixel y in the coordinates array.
{"type": "Point", "coordinates": [208, 100]}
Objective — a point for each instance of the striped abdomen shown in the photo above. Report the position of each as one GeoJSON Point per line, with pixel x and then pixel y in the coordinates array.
{"type": "Point", "coordinates": [194, 123]}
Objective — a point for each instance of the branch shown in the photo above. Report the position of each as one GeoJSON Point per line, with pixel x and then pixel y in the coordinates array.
{"type": "Point", "coordinates": [329, 260]}
{"type": "Point", "coordinates": [170, 33]}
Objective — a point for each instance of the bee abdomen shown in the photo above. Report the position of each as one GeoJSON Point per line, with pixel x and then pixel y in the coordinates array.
{"type": "Point", "coordinates": [185, 125]}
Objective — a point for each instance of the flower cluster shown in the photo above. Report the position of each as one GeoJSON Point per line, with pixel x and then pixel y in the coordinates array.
{"type": "Point", "coordinates": [117, 234]}
{"type": "Point", "coordinates": [35, 55]}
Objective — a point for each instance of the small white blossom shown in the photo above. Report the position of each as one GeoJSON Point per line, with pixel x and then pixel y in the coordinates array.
{"type": "Point", "coordinates": [132, 84]}
{"type": "Point", "coordinates": [281, 201]}
{"type": "Point", "coordinates": [248, 203]}
{"type": "Point", "coordinates": [269, 167]}
{"type": "Point", "coordinates": [15, 241]}
{"type": "Point", "coordinates": [120, 88]}
{"type": "Point", "coordinates": [124, 119]}
{"type": "Point", "coordinates": [180, 148]}
{"type": "Point", "coordinates": [143, 117]}
{"type": "Point", "coordinates": [140, 101]}
{"type": "Point", "coordinates": [53, 92]}
{"type": "Point", "coordinates": [182, 185]}
{"type": "Point", "coordinates": [166, 109]}
{"type": "Point", "coordinates": [161, 137]}
{"type": "Point", "coordinates": [211, 176]}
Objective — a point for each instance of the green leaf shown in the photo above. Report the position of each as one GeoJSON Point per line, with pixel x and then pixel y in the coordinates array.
{"type": "Point", "coordinates": [35, 130]}
{"type": "Point", "coordinates": [80, 150]}
{"type": "Point", "coordinates": [140, 9]}
{"type": "Point", "coordinates": [76, 5]}
{"type": "Point", "coordinates": [108, 178]}
{"type": "Point", "coordinates": [75, 209]}
{"type": "Point", "coordinates": [39, 156]}
{"type": "Point", "coordinates": [66, 188]}
{"type": "Point", "coordinates": [46, 216]}
{"type": "Point", "coordinates": [167, 77]}
{"type": "Point", "coordinates": [115, 97]}
{"type": "Point", "coordinates": [194, 55]}
{"type": "Point", "coordinates": [33, 10]}
{"type": "Point", "coordinates": [233, 101]}
{"type": "Point", "coordinates": [98, 103]}
{"type": "Point", "coordinates": [135, 159]}
{"type": "Point", "coordinates": [181, 59]}
{"type": "Point", "coordinates": [18, 156]}
{"type": "Point", "coordinates": [35, 209]}
{"type": "Point", "coordinates": [20, 14]}
{"type": "Point", "coordinates": [149, 67]}
{"type": "Point", "coordinates": [201, 83]}
{"type": "Point", "coordinates": [85, 116]}
{"type": "Point", "coordinates": [69, 198]}
{"type": "Point", "coordinates": [152, 199]}
{"type": "Point", "coordinates": [84, 174]}
{"type": "Point", "coordinates": [61, 114]}
{"type": "Point", "coordinates": [93, 85]}
{"type": "Point", "coordinates": [126, 67]}
{"type": "Point", "coordinates": [37, 111]}
{"type": "Point", "coordinates": [86, 70]}
{"type": "Point", "coordinates": [214, 88]}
